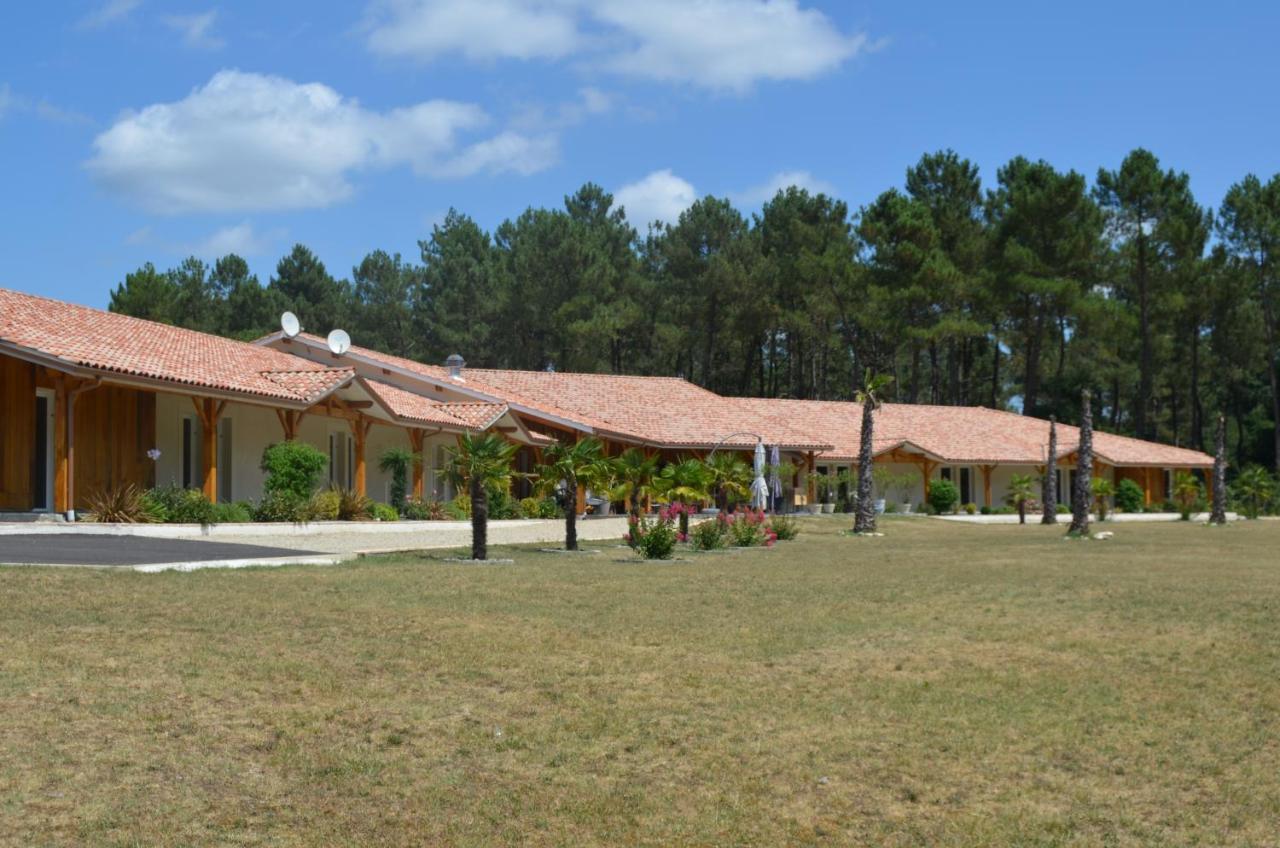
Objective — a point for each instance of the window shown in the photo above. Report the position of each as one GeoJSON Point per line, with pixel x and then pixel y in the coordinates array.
{"type": "Point", "coordinates": [190, 458]}
{"type": "Point", "coordinates": [42, 456]}
{"type": "Point", "coordinates": [342, 459]}
{"type": "Point", "coordinates": [224, 460]}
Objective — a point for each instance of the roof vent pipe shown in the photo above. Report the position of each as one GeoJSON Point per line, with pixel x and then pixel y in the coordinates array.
{"type": "Point", "coordinates": [454, 365]}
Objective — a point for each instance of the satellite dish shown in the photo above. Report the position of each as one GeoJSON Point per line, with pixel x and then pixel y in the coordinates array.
{"type": "Point", "coordinates": [339, 342]}
{"type": "Point", "coordinates": [290, 324]}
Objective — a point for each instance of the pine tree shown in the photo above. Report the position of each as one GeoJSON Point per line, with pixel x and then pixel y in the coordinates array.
{"type": "Point", "coordinates": [1082, 491]}
{"type": "Point", "coordinates": [1218, 513]}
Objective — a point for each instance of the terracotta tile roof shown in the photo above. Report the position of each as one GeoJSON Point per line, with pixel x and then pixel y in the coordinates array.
{"type": "Point", "coordinates": [965, 435]}
{"type": "Point", "coordinates": [414, 407]}
{"type": "Point", "coordinates": [107, 342]}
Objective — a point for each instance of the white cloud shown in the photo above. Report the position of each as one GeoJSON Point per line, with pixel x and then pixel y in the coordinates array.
{"type": "Point", "coordinates": [661, 196]}
{"type": "Point", "coordinates": [108, 13]}
{"type": "Point", "coordinates": [489, 29]}
{"type": "Point", "coordinates": [42, 109]}
{"type": "Point", "coordinates": [241, 239]}
{"type": "Point", "coordinates": [247, 141]}
{"type": "Point", "coordinates": [725, 45]}
{"type": "Point", "coordinates": [196, 30]}
{"type": "Point", "coordinates": [765, 191]}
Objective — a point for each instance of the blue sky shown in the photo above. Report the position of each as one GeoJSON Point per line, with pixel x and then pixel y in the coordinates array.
{"type": "Point", "coordinates": [145, 130]}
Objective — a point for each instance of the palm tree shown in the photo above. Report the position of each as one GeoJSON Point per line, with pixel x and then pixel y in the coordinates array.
{"type": "Point", "coordinates": [687, 481]}
{"type": "Point", "coordinates": [869, 396]}
{"type": "Point", "coordinates": [1081, 493]}
{"type": "Point", "coordinates": [481, 462]}
{"type": "Point", "coordinates": [1021, 490]}
{"type": "Point", "coordinates": [1102, 490]}
{"type": "Point", "coordinates": [1255, 487]}
{"type": "Point", "coordinates": [1218, 514]}
{"type": "Point", "coordinates": [730, 475]}
{"type": "Point", "coordinates": [1049, 483]}
{"type": "Point", "coordinates": [564, 466]}
{"type": "Point", "coordinates": [634, 473]}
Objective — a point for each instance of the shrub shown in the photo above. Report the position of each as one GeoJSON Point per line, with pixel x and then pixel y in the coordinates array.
{"type": "Point", "coordinates": [1129, 497]}
{"type": "Point", "coordinates": [397, 461]}
{"type": "Point", "coordinates": [890, 507]}
{"type": "Point", "coordinates": [943, 496]}
{"type": "Point", "coordinates": [125, 504]}
{"type": "Point", "coordinates": [502, 505]}
{"type": "Point", "coordinates": [985, 510]}
{"type": "Point", "coordinates": [175, 505]}
{"type": "Point", "coordinates": [459, 509]}
{"type": "Point", "coordinates": [283, 506]}
{"type": "Point", "coordinates": [652, 538]}
{"type": "Point", "coordinates": [324, 505]}
{"type": "Point", "coordinates": [383, 512]}
{"type": "Point", "coordinates": [292, 467]}
{"type": "Point", "coordinates": [420, 510]}
{"type": "Point", "coordinates": [1062, 509]}
{"type": "Point", "coordinates": [707, 535]}
{"type": "Point", "coordinates": [748, 529]}
{"type": "Point", "coordinates": [238, 512]}
{"type": "Point", "coordinates": [971, 509]}
{"type": "Point", "coordinates": [353, 506]}
{"type": "Point", "coordinates": [784, 528]}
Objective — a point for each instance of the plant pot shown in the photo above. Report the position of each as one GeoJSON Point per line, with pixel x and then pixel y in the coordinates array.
{"type": "Point", "coordinates": [879, 506]}
{"type": "Point", "coordinates": [812, 509]}
{"type": "Point", "coordinates": [828, 508]}
{"type": "Point", "coordinates": [904, 507]}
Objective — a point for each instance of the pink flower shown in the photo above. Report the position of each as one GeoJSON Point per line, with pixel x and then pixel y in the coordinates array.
{"type": "Point", "coordinates": [626, 537]}
{"type": "Point", "coordinates": [682, 537]}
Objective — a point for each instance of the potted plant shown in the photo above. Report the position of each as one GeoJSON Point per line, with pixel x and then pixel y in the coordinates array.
{"type": "Point", "coordinates": [826, 493]}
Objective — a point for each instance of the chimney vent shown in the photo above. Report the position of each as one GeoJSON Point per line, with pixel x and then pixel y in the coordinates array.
{"type": "Point", "coordinates": [454, 364]}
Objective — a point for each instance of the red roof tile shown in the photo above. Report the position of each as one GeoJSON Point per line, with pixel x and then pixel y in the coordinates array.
{"type": "Point", "coordinates": [108, 342]}
{"type": "Point", "coordinates": [414, 407]}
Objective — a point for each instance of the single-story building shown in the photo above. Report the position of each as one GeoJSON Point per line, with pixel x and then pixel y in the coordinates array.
{"type": "Point", "coordinates": [93, 399]}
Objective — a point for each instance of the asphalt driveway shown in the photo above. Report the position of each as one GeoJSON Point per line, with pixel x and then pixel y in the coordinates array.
{"type": "Point", "coordinates": [79, 549]}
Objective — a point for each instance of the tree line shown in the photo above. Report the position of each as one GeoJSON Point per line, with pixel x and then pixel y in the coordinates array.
{"type": "Point", "coordinates": [1015, 296]}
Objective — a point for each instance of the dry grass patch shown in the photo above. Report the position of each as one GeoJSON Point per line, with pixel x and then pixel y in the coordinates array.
{"type": "Point", "coordinates": [943, 685]}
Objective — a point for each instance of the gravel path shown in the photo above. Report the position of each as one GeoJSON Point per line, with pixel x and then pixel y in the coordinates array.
{"type": "Point", "coordinates": [444, 534]}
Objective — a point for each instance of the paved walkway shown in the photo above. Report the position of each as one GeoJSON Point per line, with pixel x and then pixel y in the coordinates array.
{"type": "Point", "coordinates": [435, 535]}
{"type": "Point", "coordinates": [75, 549]}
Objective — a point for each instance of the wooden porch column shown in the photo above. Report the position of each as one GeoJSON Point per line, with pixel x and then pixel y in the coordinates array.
{"type": "Point", "coordinates": [416, 440]}
{"type": "Point", "coordinates": [61, 446]}
{"type": "Point", "coordinates": [1147, 496]}
{"type": "Point", "coordinates": [927, 468]}
{"type": "Point", "coordinates": [209, 411]}
{"type": "Point", "coordinates": [290, 420]}
{"type": "Point", "coordinates": [810, 481]}
{"type": "Point", "coordinates": [580, 497]}
{"type": "Point", "coordinates": [986, 484]}
{"type": "Point", "coordinates": [360, 425]}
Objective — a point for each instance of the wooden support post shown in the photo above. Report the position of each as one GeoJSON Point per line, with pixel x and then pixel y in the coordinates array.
{"type": "Point", "coordinates": [1148, 496]}
{"type": "Point", "coordinates": [811, 482]}
{"type": "Point", "coordinates": [416, 440]}
{"type": "Point", "coordinates": [209, 411]}
{"type": "Point", "coordinates": [62, 444]}
{"type": "Point", "coordinates": [360, 430]}
{"type": "Point", "coordinates": [986, 484]}
{"type": "Point", "coordinates": [927, 467]}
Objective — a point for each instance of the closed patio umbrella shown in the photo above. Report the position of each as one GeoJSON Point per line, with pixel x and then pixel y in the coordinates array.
{"type": "Point", "coordinates": [759, 488]}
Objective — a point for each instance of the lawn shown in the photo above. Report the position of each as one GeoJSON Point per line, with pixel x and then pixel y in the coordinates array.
{"type": "Point", "coordinates": [942, 685]}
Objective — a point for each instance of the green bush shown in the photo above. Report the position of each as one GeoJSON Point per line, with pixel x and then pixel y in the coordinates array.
{"type": "Point", "coordinates": [652, 538]}
{"type": "Point", "coordinates": [784, 527]}
{"type": "Point", "coordinates": [420, 510]}
{"type": "Point", "coordinates": [238, 512]}
{"type": "Point", "coordinates": [707, 536]}
{"type": "Point", "coordinates": [1129, 496]}
{"type": "Point", "coordinates": [1062, 509]}
{"type": "Point", "coordinates": [943, 496]}
{"type": "Point", "coordinates": [124, 504]}
{"type": "Point", "coordinates": [985, 510]}
{"type": "Point", "coordinates": [353, 506]}
{"type": "Point", "coordinates": [324, 505]}
{"type": "Point", "coordinates": [890, 507]}
{"type": "Point", "coordinates": [971, 509]}
{"type": "Point", "coordinates": [175, 505]}
{"type": "Point", "coordinates": [459, 509]}
{"type": "Point", "coordinates": [397, 462]}
{"type": "Point", "coordinates": [283, 506]}
{"type": "Point", "coordinates": [540, 508]}
{"type": "Point", "coordinates": [502, 505]}
{"type": "Point", "coordinates": [383, 512]}
{"type": "Point", "coordinates": [293, 468]}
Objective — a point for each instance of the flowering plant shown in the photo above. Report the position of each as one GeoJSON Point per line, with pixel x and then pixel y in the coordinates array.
{"type": "Point", "coordinates": [707, 535]}
{"type": "Point", "coordinates": [748, 528]}
{"type": "Point", "coordinates": [652, 538]}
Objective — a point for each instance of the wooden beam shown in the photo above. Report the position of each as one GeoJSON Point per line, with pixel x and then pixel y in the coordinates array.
{"type": "Point", "coordinates": [360, 430]}
{"type": "Point", "coordinates": [810, 481]}
{"type": "Point", "coordinates": [210, 412]}
{"type": "Point", "coordinates": [416, 440]}
{"type": "Point", "coordinates": [62, 462]}
{"type": "Point", "coordinates": [986, 484]}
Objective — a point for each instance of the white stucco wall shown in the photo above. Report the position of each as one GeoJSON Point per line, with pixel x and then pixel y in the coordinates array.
{"type": "Point", "coordinates": [253, 428]}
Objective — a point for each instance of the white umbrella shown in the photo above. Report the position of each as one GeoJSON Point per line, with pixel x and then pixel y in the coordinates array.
{"type": "Point", "coordinates": [759, 488]}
